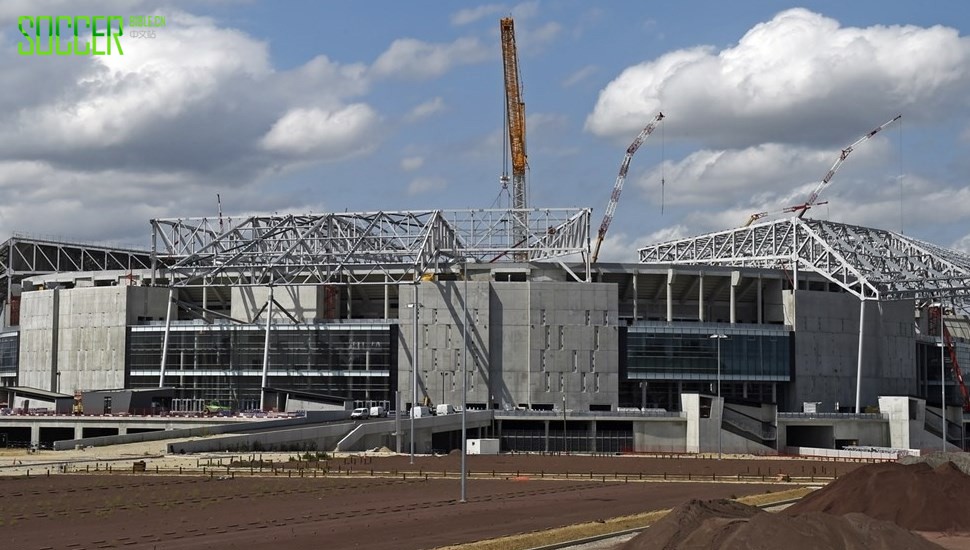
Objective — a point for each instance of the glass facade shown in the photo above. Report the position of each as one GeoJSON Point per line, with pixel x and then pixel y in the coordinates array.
{"type": "Point", "coordinates": [224, 363]}
{"type": "Point", "coordinates": [9, 357]}
{"type": "Point", "coordinates": [687, 352]}
{"type": "Point", "coordinates": [659, 361]}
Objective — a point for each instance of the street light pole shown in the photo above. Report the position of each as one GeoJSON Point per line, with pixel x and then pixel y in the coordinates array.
{"type": "Point", "coordinates": [414, 366]}
{"type": "Point", "coordinates": [464, 376]}
{"type": "Point", "coordinates": [720, 413]}
{"type": "Point", "coordinates": [942, 345]}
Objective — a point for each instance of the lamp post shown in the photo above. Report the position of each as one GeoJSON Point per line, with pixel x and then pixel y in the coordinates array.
{"type": "Point", "coordinates": [414, 365]}
{"type": "Point", "coordinates": [942, 345]}
{"type": "Point", "coordinates": [464, 375]}
{"type": "Point", "coordinates": [718, 338]}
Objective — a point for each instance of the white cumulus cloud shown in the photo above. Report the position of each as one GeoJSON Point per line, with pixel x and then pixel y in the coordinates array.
{"type": "Point", "coordinates": [800, 77]}
{"type": "Point", "coordinates": [415, 59]}
{"type": "Point", "coordinates": [333, 134]}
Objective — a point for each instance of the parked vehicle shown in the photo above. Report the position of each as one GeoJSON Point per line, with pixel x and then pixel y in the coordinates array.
{"type": "Point", "coordinates": [378, 412]}
{"type": "Point", "coordinates": [444, 409]}
{"type": "Point", "coordinates": [362, 413]}
{"type": "Point", "coordinates": [420, 411]}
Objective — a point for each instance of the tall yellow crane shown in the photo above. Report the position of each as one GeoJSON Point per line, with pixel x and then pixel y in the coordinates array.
{"type": "Point", "coordinates": [515, 113]}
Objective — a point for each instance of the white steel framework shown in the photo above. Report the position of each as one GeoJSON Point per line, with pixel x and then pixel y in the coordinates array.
{"type": "Point", "coordinates": [357, 248]}
{"type": "Point", "coordinates": [873, 264]}
{"type": "Point", "coordinates": [23, 256]}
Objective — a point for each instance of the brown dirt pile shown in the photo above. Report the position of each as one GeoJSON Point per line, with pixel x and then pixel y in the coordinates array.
{"type": "Point", "coordinates": [729, 525]}
{"type": "Point", "coordinates": [915, 496]}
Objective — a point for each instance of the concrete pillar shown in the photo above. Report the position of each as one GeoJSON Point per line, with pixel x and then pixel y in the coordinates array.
{"type": "Point", "coordinates": [123, 430]}
{"type": "Point", "coordinates": [700, 297]}
{"type": "Point", "coordinates": [759, 304]}
{"type": "Point", "coordinates": [387, 298]}
{"type": "Point", "coordinates": [592, 436]}
{"type": "Point", "coordinates": [735, 280]}
{"type": "Point", "coordinates": [78, 432]}
{"type": "Point", "coordinates": [35, 434]}
{"type": "Point", "coordinates": [636, 312]}
{"type": "Point", "coordinates": [670, 295]}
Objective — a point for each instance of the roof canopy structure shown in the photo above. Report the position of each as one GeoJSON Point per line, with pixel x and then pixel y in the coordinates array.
{"type": "Point", "coordinates": [357, 248]}
{"type": "Point", "coordinates": [22, 256]}
{"type": "Point", "coordinates": [871, 263]}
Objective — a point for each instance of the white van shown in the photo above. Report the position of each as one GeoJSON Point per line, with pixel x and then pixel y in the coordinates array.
{"type": "Point", "coordinates": [378, 412]}
{"type": "Point", "coordinates": [444, 409]}
{"type": "Point", "coordinates": [361, 413]}
{"type": "Point", "coordinates": [418, 412]}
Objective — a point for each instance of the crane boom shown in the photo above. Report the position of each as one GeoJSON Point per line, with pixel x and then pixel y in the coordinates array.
{"type": "Point", "coordinates": [936, 314]}
{"type": "Point", "coordinates": [838, 163]}
{"type": "Point", "coordinates": [515, 111]}
{"type": "Point", "coordinates": [620, 178]}
{"type": "Point", "coordinates": [813, 197]}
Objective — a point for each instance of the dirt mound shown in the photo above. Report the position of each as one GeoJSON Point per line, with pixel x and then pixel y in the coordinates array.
{"type": "Point", "coordinates": [682, 522]}
{"type": "Point", "coordinates": [729, 525]}
{"type": "Point", "coordinates": [915, 496]}
{"type": "Point", "coordinates": [962, 460]}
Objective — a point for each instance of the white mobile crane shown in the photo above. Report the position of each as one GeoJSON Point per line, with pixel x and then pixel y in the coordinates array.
{"type": "Point", "coordinates": [813, 197]}
{"type": "Point", "coordinates": [620, 178]}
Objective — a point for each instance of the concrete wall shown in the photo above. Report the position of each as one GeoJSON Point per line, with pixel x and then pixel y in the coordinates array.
{"type": "Point", "coordinates": [658, 436]}
{"type": "Point", "coordinates": [75, 339]}
{"type": "Point", "coordinates": [827, 347]}
{"type": "Point", "coordinates": [37, 322]}
{"type": "Point", "coordinates": [305, 303]}
{"type": "Point", "coordinates": [440, 342]}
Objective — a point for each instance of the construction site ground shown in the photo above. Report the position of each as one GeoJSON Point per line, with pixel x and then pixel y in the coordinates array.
{"type": "Point", "coordinates": [376, 500]}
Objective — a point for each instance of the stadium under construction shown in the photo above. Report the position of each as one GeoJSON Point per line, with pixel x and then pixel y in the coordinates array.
{"type": "Point", "coordinates": [782, 334]}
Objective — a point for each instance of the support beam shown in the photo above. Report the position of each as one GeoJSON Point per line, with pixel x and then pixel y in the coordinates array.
{"type": "Point", "coordinates": [168, 326]}
{"type": "Point", "coordinates": [265, 378]}
{"type": "Point", "coordinates": [858, 376]}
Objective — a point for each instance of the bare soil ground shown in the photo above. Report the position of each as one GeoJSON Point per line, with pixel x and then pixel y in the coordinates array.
{"type": "Point", "coordinates": [352, 510]}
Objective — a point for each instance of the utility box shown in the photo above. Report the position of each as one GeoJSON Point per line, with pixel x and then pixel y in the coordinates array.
{"type": "Point", "coordinates": [483, 447]}
{"type": "Point", "coordinates": [444, 409]}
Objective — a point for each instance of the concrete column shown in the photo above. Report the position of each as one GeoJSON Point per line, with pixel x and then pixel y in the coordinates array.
{"type": "Point", "coordinates": [670, 295]}
{"type": "Point", "coordinates": [34, 434]}
{"type": "Point", "coordinates": [592, 435]}
{"type": "Point", "coordinates": [760, 305]}
{"type": "Point", "coordinates": [122, 430]}
{"type": "Point", "coordinates": [78, 432]}
{"type": "Point", "coordinates": [387, 298]}
{"type": "Point", "coordinates": [735, 280]}
{"type": "Point", "coordinates": [700, 298]}
{"type": "Point", "coordinates": [636, 312]}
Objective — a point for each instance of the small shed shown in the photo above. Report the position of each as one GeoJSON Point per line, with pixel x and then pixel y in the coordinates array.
{"type": "Point", "coordinates": [142, 401]}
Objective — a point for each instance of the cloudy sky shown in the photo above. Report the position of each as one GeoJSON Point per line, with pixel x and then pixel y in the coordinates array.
{"type": "Point", "coordinates": [362, 106]}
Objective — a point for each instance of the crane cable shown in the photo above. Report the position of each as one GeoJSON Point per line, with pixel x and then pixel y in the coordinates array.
{"type": "Point", "coordinates": [663, 167]}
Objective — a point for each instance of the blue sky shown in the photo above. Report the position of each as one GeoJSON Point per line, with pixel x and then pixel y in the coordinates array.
{"type": "Point", "coordinates": [362, 106]}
